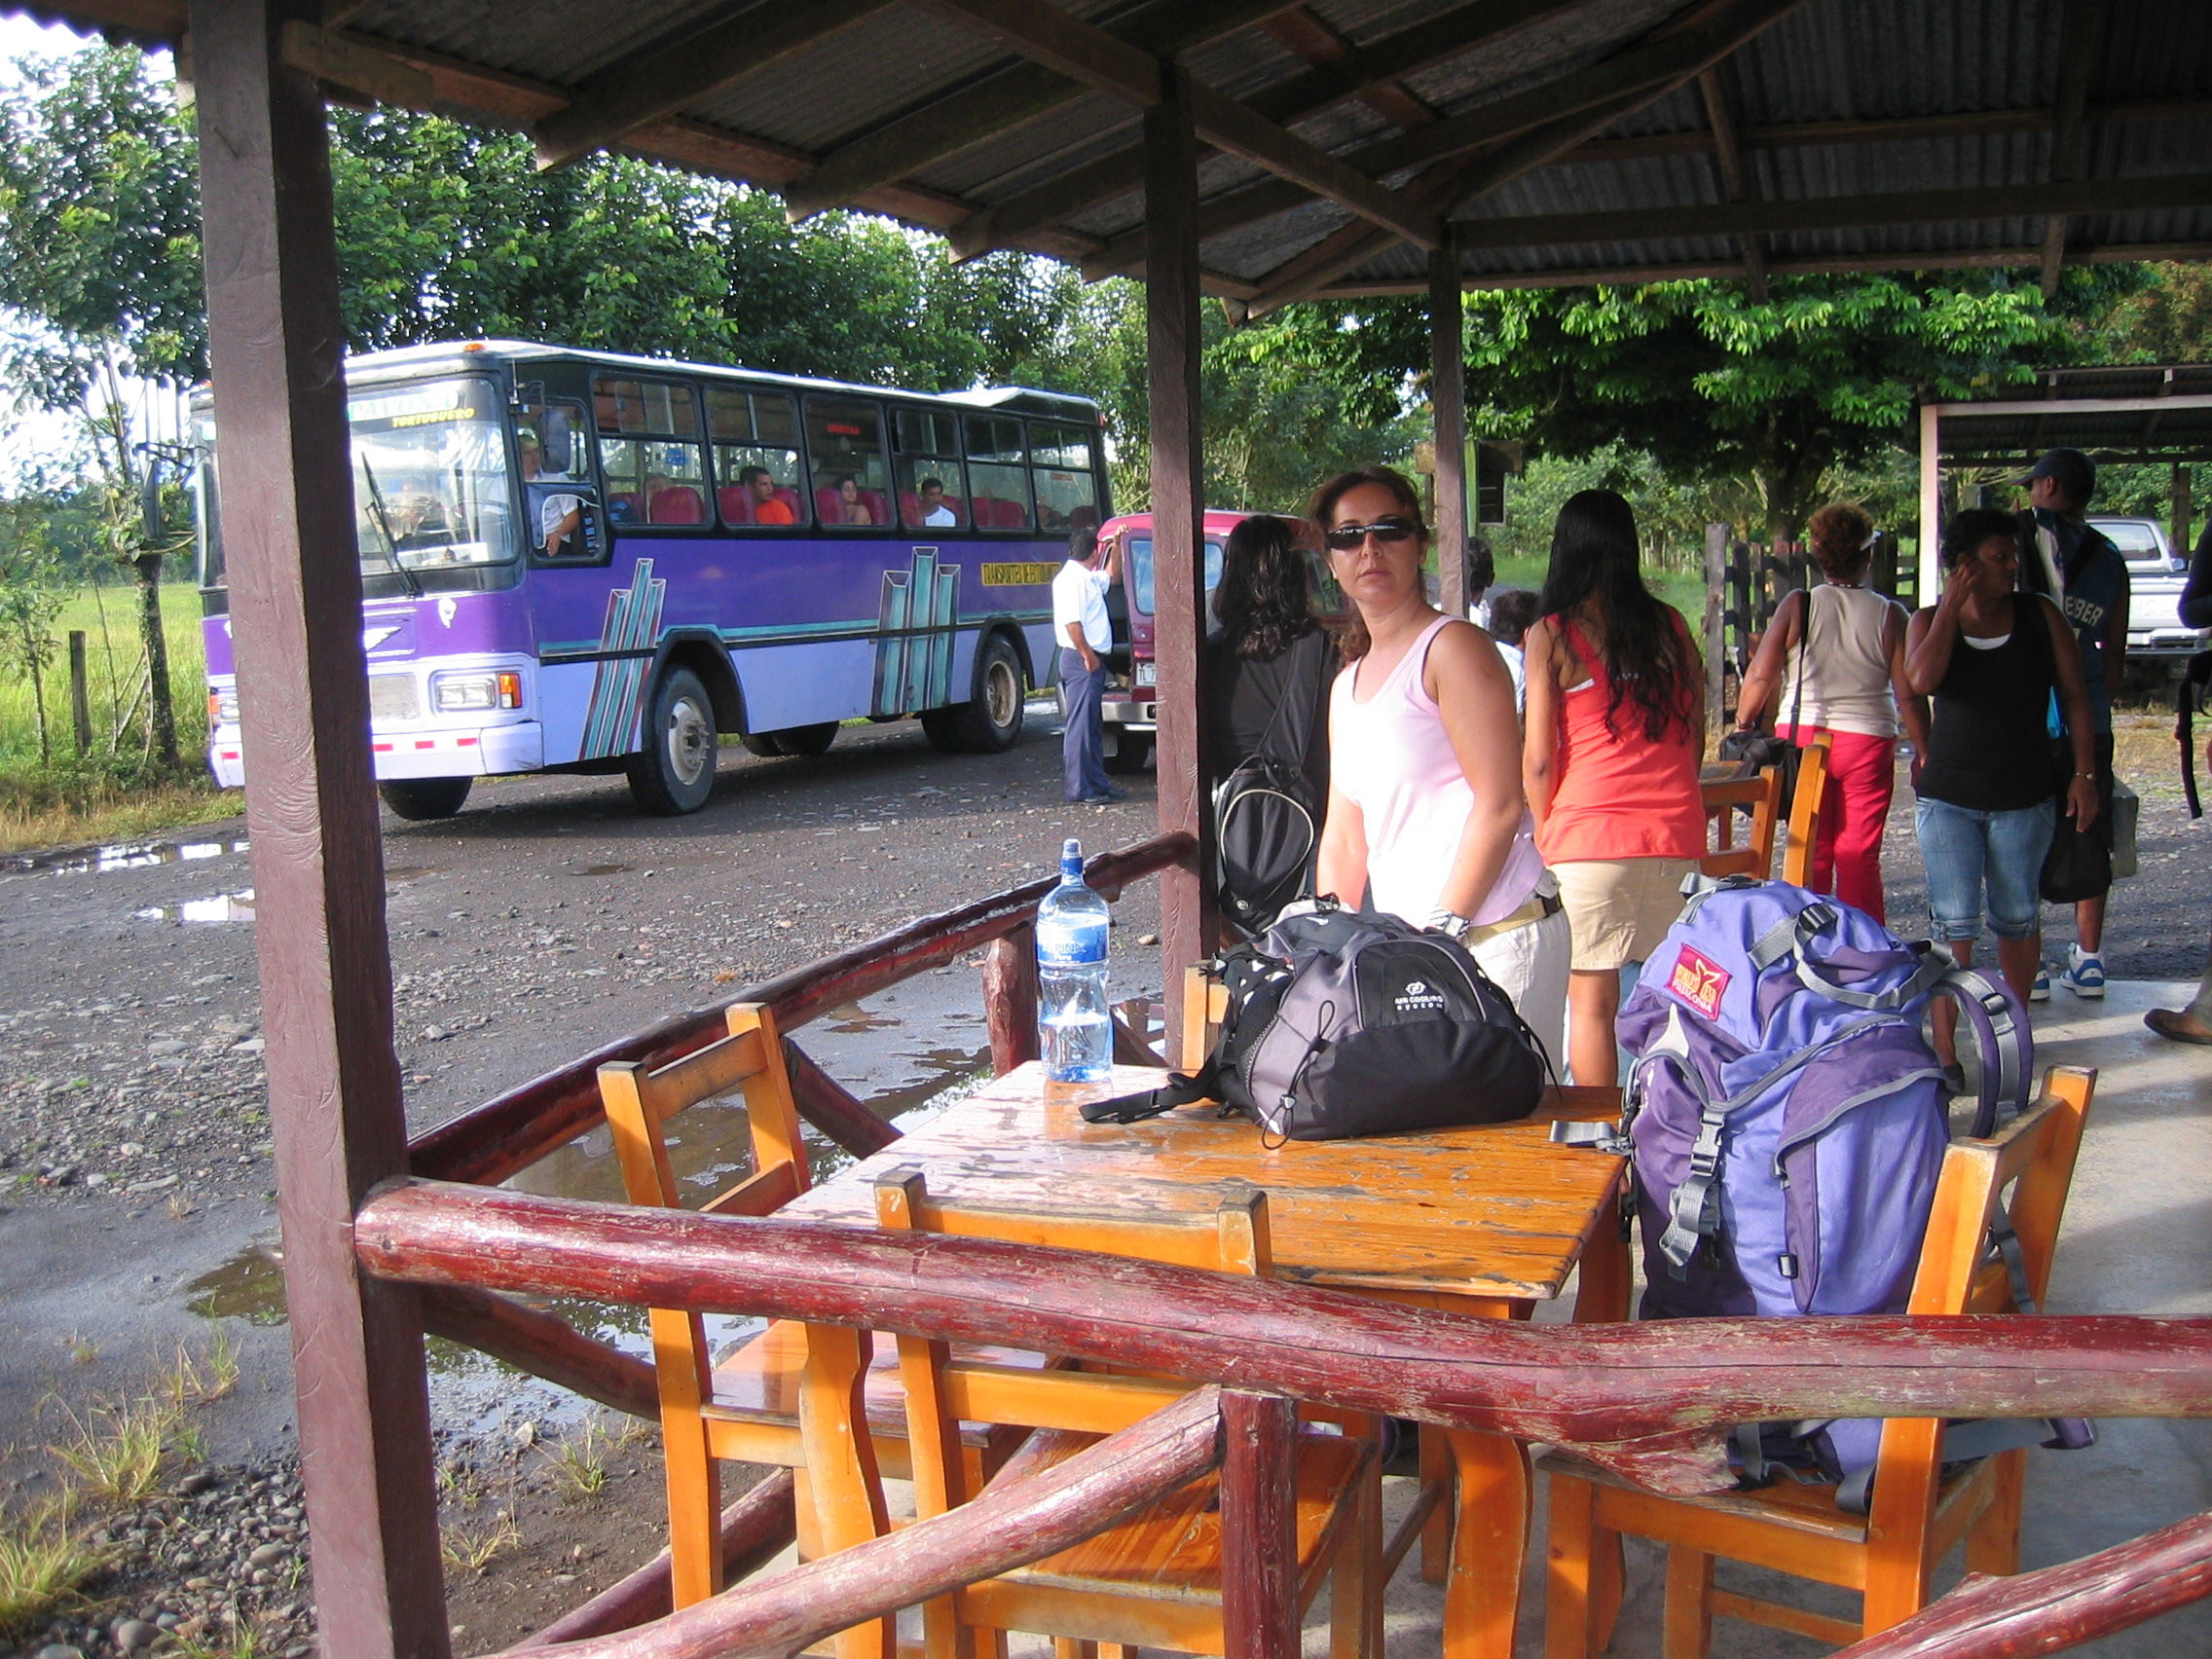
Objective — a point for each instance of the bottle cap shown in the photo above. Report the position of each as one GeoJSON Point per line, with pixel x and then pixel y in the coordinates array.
{"type": "Point", "coordinates": [1071, 857]}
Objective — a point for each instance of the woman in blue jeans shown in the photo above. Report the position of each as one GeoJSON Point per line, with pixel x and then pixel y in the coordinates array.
{"type": "Point", "coordinates": [1990, 657]}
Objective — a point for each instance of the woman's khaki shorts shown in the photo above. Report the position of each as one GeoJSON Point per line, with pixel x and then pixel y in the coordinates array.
{"type": "Point", "coordinates": [1620, 908]}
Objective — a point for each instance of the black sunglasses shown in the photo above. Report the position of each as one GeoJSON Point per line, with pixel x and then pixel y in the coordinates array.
{"type": "Point", "coordinates": [1346, 536]}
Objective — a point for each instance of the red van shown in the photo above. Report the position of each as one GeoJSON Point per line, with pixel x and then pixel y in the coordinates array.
{"type": "Point", "coordinates": [1127, 707]}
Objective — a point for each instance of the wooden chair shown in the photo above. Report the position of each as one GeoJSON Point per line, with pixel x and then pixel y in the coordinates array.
{"type": "Point", "coordinates": [1805, 812]}
{"type": "Point", "coordinates": [747, 1408]}
{"type": "Point", "coordinates": [1917, 1514]}
{"type": "Point", "coordinates": [1155, 1579]}
{"type": "Point", "coordinates": [1722, 796]}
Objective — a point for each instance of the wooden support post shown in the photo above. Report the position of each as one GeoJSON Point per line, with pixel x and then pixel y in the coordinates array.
{"type": "Point", "coordinates": [2178, 498]}
{"type": "Point", "coordinates": [80, 694]}
{"type": "Point", "coordinates": [1716, 644]}
{"type": "Point", "coordinates": [1009, 999]}
{"type": "Point", "coordinates": [1931, 500]}
{"type": "Point", "coordinates": [1259, 1542]}
{"type": "Point", "coordinates": [276, 344]}
{"type": "Point", "coordinates": [1447, 406]}
{"type": "Point", "coordinates": [1190, 921]}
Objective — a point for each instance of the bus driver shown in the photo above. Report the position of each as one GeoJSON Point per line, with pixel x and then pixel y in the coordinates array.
{"type": "Point", "coordinates": [558, 513]}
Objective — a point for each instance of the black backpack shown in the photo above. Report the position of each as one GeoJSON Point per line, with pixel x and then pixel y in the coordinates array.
{"type": "Point", "coordinates": [1267, 823]}
{"type": "Point", "coordinates": [1342, 1024]}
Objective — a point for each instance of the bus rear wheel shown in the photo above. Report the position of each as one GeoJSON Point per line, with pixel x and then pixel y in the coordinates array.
{"type": "Point", "coordinates": [676, 772]}
{"type": "Point", "coordinates": [990, 722]}
{"type": "Point", "coordinates": [422, 799]}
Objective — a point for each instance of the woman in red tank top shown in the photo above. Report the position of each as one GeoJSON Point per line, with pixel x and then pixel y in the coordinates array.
{"type": "Point", "coordinates": [1609, 760]}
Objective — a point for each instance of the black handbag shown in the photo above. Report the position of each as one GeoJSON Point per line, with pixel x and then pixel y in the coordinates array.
{"type": "Point", "coordinates": [1754, 751]}
{"type": "Point", "coordinates": [2078, 863]}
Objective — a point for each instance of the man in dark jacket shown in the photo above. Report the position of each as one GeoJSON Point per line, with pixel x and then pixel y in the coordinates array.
{"type": "Point", "coordinates": [2193, 1024]}
{"type": "Point", "coordinates": [2066, 557]}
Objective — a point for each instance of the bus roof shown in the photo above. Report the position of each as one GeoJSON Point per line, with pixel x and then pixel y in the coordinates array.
{"type": "Point", "coordinates": [459, 356]}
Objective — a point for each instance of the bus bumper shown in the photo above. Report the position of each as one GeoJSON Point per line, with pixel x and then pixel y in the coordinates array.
{"type": "Point", "coordinates": [474, 752]}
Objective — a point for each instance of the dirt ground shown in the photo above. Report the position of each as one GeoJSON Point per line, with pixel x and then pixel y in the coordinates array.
{"type": "Point", "coordinates": [134, 1206]}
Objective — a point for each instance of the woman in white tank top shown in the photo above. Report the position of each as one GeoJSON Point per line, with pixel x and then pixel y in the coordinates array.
{"type": "Point", "coordinates": [1426, 815]}
{"type": "Point", "coordinates": [1841, 672]}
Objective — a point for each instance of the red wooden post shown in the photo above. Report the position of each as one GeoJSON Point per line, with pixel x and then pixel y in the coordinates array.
{"type": "Point", "coordinates": [1189, 919]}
{"type": "Point", "coordinates": [275, 342]}
{"type": "Point", "coordinates": [1448, 407]}
{"type": "Point", "coordinates": [1259, 1525]}
{"type": "Point", "coordinates": [1009, 999]}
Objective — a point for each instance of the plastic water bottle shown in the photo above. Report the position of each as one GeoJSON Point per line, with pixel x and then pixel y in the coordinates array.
{"type": "Point", "coordinates": [1074, 1028]}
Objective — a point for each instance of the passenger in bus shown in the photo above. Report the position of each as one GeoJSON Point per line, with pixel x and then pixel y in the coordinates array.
{"type": "Point", "coordinates": [767, 506]}
{"type": "Point", "coordinates": [558, 513]}
{"type": "Point", "coordinates": [849, 500]}
{"type": "Point", "coordinates": [935, 513]}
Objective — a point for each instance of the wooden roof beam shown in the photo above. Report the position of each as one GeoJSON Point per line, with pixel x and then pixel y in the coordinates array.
{"type": "Point", "coordinates": [2081, 34]}
{"type": "Point", "coordinates": [1736, 180]}
{"type": "Point", "coordinates": [1074, 48]}
{"type": "Point", "coordinates": [1462, 29]}
{"type": "Point", "coordinates": [1000, 103]}
{"type": "Point", "coordinates": [663, 83]}
{"type": "Point", "coordinates": [1303, 32]}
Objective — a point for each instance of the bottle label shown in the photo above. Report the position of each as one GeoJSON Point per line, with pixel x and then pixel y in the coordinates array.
{"type": "Point", "coordinates": [1065, 946]}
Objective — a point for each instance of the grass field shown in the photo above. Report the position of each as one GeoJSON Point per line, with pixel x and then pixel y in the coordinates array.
{"type": "Point", "coordinates": [42, 806]}
{"type": "Point", "coordinates": [1685, 593]}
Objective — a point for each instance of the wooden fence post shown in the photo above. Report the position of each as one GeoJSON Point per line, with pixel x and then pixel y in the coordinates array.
{"type": "Point", "coordinates": [1009, 999]}
{"type": "Point", "coordinates": [80, 694]}
{"type": "Point", "coordinates": [276, 344]}
{"type": "Point", "coordinates": [1259, 1536]}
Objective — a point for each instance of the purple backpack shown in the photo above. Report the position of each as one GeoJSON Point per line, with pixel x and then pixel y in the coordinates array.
{"type": "Point", "coordinates": [1787, 1120]}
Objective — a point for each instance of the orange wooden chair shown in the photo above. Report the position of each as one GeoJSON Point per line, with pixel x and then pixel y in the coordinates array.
{"type": "Point", "coordinates": [1722, 796]}
{"type": "Point", "coordinates": [1155, 1580]}
{"type": "Point", "coordinates": [1805, 812]}
{"type": "Point", "coordinates": [1917, 1515]}
{"type": "Point", "coordinates": [747, 1408]}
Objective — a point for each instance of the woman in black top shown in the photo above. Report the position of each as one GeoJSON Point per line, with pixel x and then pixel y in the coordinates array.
{"type": "Point", "coordinates": [1269, 669]}
{"type": "Point", "coordinates": [1991, 657]}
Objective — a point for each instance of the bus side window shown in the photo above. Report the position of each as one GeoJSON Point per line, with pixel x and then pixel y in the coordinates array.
{"type": "Point", "coordinates": [1067, 494]}
{"type": "Point", "coordinates": [561, 519]}
{"type": "Point", "coordinates": [844, 441]}
{"type": "Point", "coordinates": [650, 452]}
{"type": "Point", "coordinates": [933, 491]}
{"type": "Point", "coordinates": [754, 436]}
{"type": "Point", "coordinates": [997, 471]}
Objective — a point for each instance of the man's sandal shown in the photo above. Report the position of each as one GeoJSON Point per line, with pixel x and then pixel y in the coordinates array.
{"type": "Point", "coordinates": [2168, 1023]}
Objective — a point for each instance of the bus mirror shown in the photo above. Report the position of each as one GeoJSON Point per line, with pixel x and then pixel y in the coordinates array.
{"type": "Point", "coordinates": [559, 444]}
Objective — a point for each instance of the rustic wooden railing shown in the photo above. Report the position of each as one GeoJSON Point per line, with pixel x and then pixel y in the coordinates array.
{"type": "Point", "coordinates": [1650, 1401]}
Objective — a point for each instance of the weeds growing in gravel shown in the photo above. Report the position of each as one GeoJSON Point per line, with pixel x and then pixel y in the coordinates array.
{"type": "Point", "coordinates": [116, 1447]}
{"type": "Point", "coordinates": [472, 1549]}
{"type": "Point", "coordinates": [83, 1350]}
{"type": "Point", "coordinates": [43, 1562]}
{"type": "Point", "coordinates": [190, 1381]}
{"type": "Point", "coordinates": [579, 1462]}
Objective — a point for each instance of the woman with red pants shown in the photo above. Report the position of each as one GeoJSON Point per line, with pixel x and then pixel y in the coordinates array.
{"type": "Point", "coordinates": [1849, 685]}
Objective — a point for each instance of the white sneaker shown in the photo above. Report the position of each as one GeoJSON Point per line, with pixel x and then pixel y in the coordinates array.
{"type": "Point", "coordinates": [2084, 974]}
{"type": "Point", "coordinates": [2040, 991]}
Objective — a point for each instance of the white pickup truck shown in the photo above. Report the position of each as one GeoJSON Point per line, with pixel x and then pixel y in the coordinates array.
{"type": "Point", "coordinates": [2158, 645]}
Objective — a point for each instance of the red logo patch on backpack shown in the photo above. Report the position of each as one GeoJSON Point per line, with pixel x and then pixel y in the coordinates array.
{"type": "Point", "coordinates": [1700, 982]}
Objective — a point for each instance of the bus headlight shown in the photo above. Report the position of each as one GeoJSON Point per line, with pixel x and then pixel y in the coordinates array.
{"type": "Point", "coordinates": [222, 708]}
{"type": "Point", "coordinates": [462, 693]}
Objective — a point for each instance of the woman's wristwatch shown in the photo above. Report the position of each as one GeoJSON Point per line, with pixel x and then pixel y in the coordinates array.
{"type": "Point", "coordinates": [1450, 923]}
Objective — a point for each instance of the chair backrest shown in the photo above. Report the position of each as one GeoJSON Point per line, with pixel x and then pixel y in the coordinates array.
{"type": "Point", "coordinates": [828, 505]}
{"type": "Point", "coordinates": [2033, 1157]}
{"type": "Point", "coordinates": [1722, 796]}
{"type": "Point", "coordinates": [677, 503]}
{"type": "Point", "coordinates": [1805, 811]}
{"type": "Point", "coordinates": [736, 504]}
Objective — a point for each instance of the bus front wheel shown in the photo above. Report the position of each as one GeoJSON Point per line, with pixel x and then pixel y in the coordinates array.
{"type": "Point", "coordinates": [421, 799]}
{"type": "Point", "coordinates": [988, 722]}
{"type": "Point", "coordinates": [675, 773]}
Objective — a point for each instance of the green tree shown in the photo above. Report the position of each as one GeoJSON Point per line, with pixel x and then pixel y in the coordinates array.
{"type": "Point", "coordinates": [1709, 382]}
{"type": "Point", "coordinates": [32, 595]}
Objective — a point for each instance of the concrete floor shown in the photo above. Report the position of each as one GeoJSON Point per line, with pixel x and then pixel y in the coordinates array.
{"type": "Point", "coordinates": [2137, 1239]}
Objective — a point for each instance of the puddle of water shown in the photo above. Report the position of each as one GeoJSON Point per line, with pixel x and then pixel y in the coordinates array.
{"type": "Point", "coordinates": [249, 1286]}
{"type": "Point", "coordinates": [127, 856]}
{"type": "Point", "coordinates": [851, 1018]}
{"type": "Point", "coordinates": [222, 908]}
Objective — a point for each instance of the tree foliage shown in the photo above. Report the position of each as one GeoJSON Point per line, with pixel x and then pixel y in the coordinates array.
{"type": "Point", "coordinates": [1709, 382]}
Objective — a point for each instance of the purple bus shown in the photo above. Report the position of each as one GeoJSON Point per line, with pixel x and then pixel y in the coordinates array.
{"type": "Point", "coordinates": [582, 561]}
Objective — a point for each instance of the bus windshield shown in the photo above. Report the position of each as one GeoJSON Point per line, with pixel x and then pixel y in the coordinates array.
{"type": "Point", "coordinates": [430, 477]}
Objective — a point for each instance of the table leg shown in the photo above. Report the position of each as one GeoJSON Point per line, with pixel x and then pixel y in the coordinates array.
{"type": "Point", "coordinates": [1602, 1298]}
{"type": "Point", "coordinates": [1489, 1545]}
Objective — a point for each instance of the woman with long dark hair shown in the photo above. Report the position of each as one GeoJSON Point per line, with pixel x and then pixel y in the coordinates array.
{"type": "Point", "coordinates": [1610, 759]}
{"type": "Point", "coordinates": [1269, 665]}
{"type": "Point", "coordinates": [1426, 812]}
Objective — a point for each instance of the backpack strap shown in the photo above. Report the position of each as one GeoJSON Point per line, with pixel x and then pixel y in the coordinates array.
{"type": "Point", "coordinates": [1790, 937]}
{"type": "Point", "coordinates": [1177, 1090]}
{"type": "Point", "coordinates": [1997, 1034]}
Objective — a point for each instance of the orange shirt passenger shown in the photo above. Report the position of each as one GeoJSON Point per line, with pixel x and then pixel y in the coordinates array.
{"type": "Point", "coordinates": [767, 506]}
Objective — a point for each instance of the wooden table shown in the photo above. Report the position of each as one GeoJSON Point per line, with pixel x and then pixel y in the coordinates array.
{"type": "Point", "coordinates": [1488, 1221]}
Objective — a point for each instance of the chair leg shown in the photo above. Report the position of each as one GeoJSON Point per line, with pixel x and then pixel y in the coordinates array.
{"type": "Point", "coordinates": [1490, 1544]}
{"type": "Point", "coordinates": [1570, 1611]}
{"type": "Point", "coordinates": [1993, 1541]}
{"type": "Point", "coordinates": [1686, 1632]}
{"type": "Point", "coordinates": [1069, 1647]}
{"type": "Point", "coordinates": [1436, 1532]}
{"type": "Point", "coordinates": [1897, 1584]}
{"type": "Point", "coordinates": [1355, 1576]}
{"type": "Point", "coordinates": [1608, 1579]}
{"type": "Point", "coordinates": [695, 1514]}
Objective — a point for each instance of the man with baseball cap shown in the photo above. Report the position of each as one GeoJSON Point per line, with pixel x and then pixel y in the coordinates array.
{"type": "Point", "coordinates": [2066, 557]}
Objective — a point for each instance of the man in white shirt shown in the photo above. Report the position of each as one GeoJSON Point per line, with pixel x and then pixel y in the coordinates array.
{"type": "Point", "coordinates": [1081, 626]}
{"type": "Point", "coordinates": [935, 513]}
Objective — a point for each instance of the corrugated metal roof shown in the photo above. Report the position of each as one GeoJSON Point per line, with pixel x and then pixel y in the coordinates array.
{"type": "Point", "coordinates": [1986, 73]}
